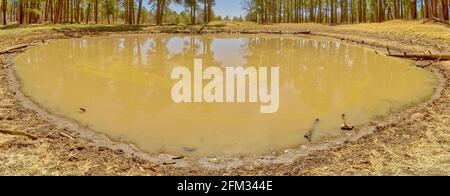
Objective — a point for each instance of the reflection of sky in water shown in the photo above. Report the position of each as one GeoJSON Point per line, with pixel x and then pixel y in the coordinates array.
{"type": "Point", "coordinates": [221, 49]}
{"type": "Point", "coordinates": [229, 51]}
{"type": "Point", "coordinates": [176, 45]}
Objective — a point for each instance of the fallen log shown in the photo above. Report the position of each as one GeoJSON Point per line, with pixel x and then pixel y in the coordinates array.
{"type": "Point", "coordinates": [302, 33]}
{"type": "Point", "coordinates": [12, 48]}
{"type": "Point", "coordinates": [434, 57]}
{"type": "Point", "coordinates": [17, 133]}
{"type": "Point", "coordinates": [67, 136]}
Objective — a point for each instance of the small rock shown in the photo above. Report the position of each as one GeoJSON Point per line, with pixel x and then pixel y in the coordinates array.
{"type": "Point", "coordinates": [101, 149]}
{"type": "Point", "coordinates": [417, 116]}
{"type": "Point", "coordinates": [189, 149]}
{"type": "Point", "coordinates": [80, 148]}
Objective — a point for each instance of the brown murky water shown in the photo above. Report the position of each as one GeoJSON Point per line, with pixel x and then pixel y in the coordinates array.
{"type": "Point", "coordinates": [124, 84]}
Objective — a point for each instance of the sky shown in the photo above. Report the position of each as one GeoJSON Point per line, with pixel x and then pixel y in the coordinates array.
{"type": "Point", "coordinates": [223, 8]}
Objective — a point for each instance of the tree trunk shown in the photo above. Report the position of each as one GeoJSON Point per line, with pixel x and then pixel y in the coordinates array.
{"type": "Point", "coordinates": [332, 11]}
{"type": "Point", "coordinates": [205, 11]}
{"type": "Point", "coordinates": [427, 8]}
{"type": "Point", "coordinates": [360, 11]}
{"type": "Point", "coordinates": [193, 13]}
{"type": "Point", "coordinates": [96, 11]}
{"type": "Point", "coordinates": [414, 9]}
{"type": "Point", "coordinates": [434, 8]}
{"type": "Point", "coordinates": [160, 5]}
{"type": "Point", "coordinates": [107, 11]}
{"type": "Point", "coordinates": [380, 11]}
{"type": "Point", "coordinates": [397, 9]}
{"type": "Point", "coordinates": [51, 10]}
{"type": "Point", "coordinates": [139, 12]}
{"type": "Point", "coordinates": [210, 16]}
{"type": "Point", "coordinates": [46, 10]}
{"type": "Point", "coordinates": [81, 14]}
{"type": "Point", "coordinates": [344, 11]}
{"type": "Point", "coordinates": [58, 12]}
{"type": "Point", "coordinates": [319, 11]}
{"type": "Point", "coordinates": [4, 9]}
{"type": "Point", "coordinates": [445, 7]}
{"type": "Point", "coordinates": [21, 13]}
{"type": "Point", "coordinates": [88, 13]}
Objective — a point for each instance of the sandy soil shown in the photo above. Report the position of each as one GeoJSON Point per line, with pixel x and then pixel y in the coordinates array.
{"type": "Point", "coordinates": [414, 142]}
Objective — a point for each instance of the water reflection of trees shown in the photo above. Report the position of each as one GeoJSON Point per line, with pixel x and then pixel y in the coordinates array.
{"type": "Point", "coordinates": [317, 74]}
{"type": "Point", "coordinates": [322, 72]}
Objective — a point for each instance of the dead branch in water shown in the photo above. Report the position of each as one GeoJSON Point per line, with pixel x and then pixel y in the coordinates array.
{"type": "Point", "coordinates": [388, 49]}
{"type": "Point", "coordinates": [17, 133]}
{"type": "Point", "coordinates": [433, 57]}
{"type": "Point", "coordinates": [13, 48]}
{"type": "Point", "coordinates": [429, 63]}
{"type": "Point", "coordinates": [309, 135]}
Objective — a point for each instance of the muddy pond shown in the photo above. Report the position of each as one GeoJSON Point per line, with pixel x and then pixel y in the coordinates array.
{"type": "Point", "coordinates": [121, 85]}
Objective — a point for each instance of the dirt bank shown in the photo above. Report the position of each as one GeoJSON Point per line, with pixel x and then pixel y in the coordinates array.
{"type": "Point", "coordinates": [415, 142]}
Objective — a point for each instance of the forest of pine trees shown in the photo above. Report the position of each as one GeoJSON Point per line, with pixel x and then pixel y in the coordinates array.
{"type": "Point", "coordinates": [98, 11]}
{"type": "Point", "coordinates": [262, 11]}
{"type": "Point", "coordinates": [343, 11]}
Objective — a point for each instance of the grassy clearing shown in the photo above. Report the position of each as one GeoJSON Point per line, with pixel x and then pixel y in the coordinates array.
{"type": "Point", "coordinates": [20, 29]}
{"type": "Point", "coordinates": [410, 29]}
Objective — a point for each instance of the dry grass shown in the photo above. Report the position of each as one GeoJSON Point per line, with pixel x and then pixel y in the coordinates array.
{"type": "Point", "coordinates": [412, 29]}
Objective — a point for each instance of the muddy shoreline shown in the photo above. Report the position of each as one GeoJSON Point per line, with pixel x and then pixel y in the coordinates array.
{"type": "Point", "coordinates": [70, 133]}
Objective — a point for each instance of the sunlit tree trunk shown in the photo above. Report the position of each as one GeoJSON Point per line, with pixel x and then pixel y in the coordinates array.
{"type": "Point", "coordinates": [427, 8]}
{"type": "Point", "coordinates": [445, 7]}
{"type": "Point", "coordinates": [160, 5]}
{"type": "Point", "coordinates": [210, 16]}
{"type": "Point", "coordinates": [57, 12]}
{"type": "Point", "coordinates": [434, 12]}
{"type": "Point", "coordinates": [81, 14]}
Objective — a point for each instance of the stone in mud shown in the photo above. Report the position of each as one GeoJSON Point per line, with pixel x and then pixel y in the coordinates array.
{"type": "Point", "coordinates": [189, 149]}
